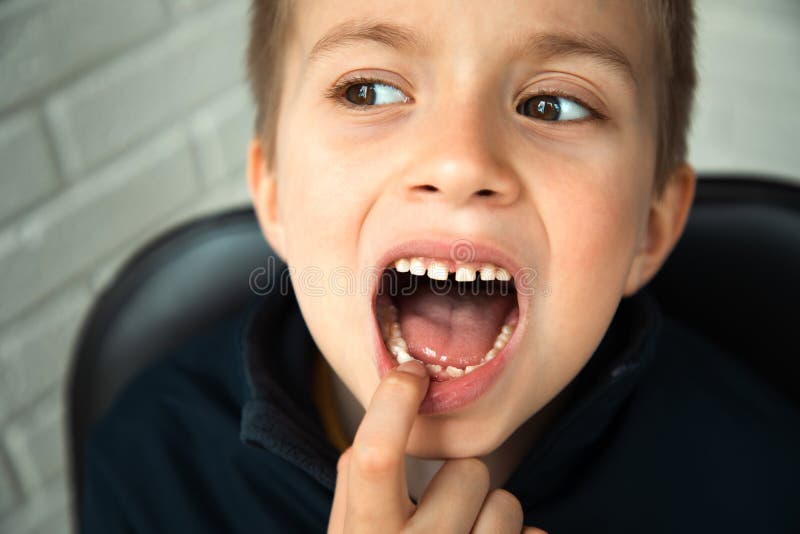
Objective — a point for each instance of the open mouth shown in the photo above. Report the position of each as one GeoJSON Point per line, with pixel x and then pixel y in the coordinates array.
{"type": "Point", "coordinates": [456, 318]}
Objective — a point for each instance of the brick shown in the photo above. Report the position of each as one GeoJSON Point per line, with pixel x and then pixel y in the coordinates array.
{"type": "Point", "coordinates": [27, 174]}
{"type": "Point", "coordinates": [148, 89]}
{"type": "Point", "coordinates": [766, 143]}
{"type": "Point", "coordinates": [221, 133]}
{"type": "Point", "coordinates": [35, 443]}
{"type": "Point", "coordinates": [712, 129]}
{"type": "Point", "coordinates": [58, 521]}
{"type": "Point", "coordinates": [748, 43]}
{"type": "Point", "coordinates": [9, 493]}
{"type": "Point", "coordinates": [43, 42]}
{"type": "Point", "coordinates": [35, 351]}
{"type": "Point", "coordinates": [746, 112]}
{"type": "Point", "coordinates": [65, 236]}
{"type": "Point", "coordinates": [39, 510]}
{"type": "Point", "coordinates": [228, 195]}
{"type": "Point", "coordinates": [222, 197]}
{"type": "Point", "coordinates": [771, 145]}
{"type": "Point", "coordinates": [182, 7]}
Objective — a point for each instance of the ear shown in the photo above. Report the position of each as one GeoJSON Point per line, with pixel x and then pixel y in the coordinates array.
{"type": "Point", "coordinates": [665, 223]}
{"type": "Point", "coordinates": [264, 194]}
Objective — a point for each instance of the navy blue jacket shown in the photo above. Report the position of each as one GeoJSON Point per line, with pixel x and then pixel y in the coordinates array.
{"type": "Point", "coordinates": [665, 434]}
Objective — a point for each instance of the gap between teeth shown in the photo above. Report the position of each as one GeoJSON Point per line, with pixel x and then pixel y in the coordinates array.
{"type": "Point", "coordinates": [393, 338]}
{"type": "Point", "coordinates": [465, 272]}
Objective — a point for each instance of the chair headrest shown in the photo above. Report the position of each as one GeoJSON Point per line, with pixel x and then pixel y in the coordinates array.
{"type": "Point", "coordinates": [734, 276]}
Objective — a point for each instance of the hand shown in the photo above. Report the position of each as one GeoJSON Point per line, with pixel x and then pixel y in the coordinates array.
{"type": "Point", "coordinates": [371, 490]}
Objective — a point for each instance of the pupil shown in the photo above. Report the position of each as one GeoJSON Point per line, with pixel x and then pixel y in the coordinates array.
{"type": "Point", "coordinates": [361, 94]}
{"type": "Point", "coordinates": [543, 107]}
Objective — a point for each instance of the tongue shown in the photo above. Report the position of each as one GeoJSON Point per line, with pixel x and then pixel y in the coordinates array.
{"type": "Point", "coordinates": [452, 329]}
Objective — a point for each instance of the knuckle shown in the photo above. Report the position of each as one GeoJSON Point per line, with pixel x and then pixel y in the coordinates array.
{"type": "Point", "coordinates": [475, 470]}
{"type": "Point", "coordinates": [373, 460]}
{"type": "Point", "coordinates": [506, 502]}
{"type": "Point", "coordinates": [344, 460]}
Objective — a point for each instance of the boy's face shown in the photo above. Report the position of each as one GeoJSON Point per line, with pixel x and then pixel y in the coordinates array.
{"type": "Point", "coordinates": [444, 156]}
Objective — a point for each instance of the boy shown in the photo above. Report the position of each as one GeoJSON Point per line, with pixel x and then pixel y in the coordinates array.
{"type": "Point", "coordinates": [469, 199]}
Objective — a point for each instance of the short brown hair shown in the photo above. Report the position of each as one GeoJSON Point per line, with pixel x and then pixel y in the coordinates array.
{"type": "Point", "coordinates": [672, 22]}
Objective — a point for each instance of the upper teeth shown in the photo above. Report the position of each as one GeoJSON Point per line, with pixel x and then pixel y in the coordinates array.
{"type": "Point", "coordinates": [417, 267]}
{"type": "Point", "coordinates": [437, 271]}
{"type": "Point", "coordinates": [440, 270]}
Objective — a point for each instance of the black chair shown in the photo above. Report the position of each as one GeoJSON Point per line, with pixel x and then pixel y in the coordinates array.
{"type": "Point", "coordinates": [733, 276]}
{"type": "Point", "coordinates": [180, 283]}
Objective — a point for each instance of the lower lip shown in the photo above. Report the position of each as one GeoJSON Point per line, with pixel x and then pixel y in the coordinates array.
{"type": "Point", "coordinates": [456, 393]}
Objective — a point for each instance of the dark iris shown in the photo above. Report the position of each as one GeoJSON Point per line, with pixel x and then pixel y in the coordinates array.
{"type": "Point", "coordinates": [361, 94]}
{"type": "Point", "coordinates": [541, 107]}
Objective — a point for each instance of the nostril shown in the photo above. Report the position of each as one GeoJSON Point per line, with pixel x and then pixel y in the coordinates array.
{"type": "Point", "coordinates": [428, 188]}
{"type": "Point", "coordinates": [484, 193]}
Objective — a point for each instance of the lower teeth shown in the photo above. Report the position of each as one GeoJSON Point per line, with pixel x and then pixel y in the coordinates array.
{"type": "Point", "coordinates": [393, 339]}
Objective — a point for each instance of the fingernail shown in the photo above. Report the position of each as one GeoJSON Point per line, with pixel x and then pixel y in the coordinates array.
{"type": "Point", "coordinates": [413, 368]}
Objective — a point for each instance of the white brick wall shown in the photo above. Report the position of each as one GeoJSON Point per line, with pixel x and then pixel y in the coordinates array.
{"type": "Point", "coordinates": [29, 174]}
{"type": "Point", "coordinates": [747, 114]}
{"type": "Point", "coordinates": [119, 119]}
{"type": "Point", "coordinates": [45, 42]}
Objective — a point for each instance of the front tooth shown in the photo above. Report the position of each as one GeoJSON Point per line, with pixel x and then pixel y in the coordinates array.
{"type": "Point", "coordinates": [465, 273]}
{"type": "Point", "coordinates": [437, 271]}
{"type": "Point", "coordinates": [487, 272]}
{"type": "Point", "coordinates": [502, 275]}
{"type": "Point", "coordinates": [417, 267]}
{"type": "Point", "coordinates": [403, 357]}
{"type": "Point", "coordinates": [433, 368]}
{"type": "Point", "coordinates": [402, 265]}
{"type": "Point", "coordinates": [454, 372]}
{"type": "Point", "coordinates": [470, 368]}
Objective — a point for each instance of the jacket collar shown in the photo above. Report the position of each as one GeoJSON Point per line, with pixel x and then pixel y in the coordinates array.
{"type": "Point", "coordinates": [277, 355]}
{"type": "Point", "coordinates": [602, 387]}
{"type": "Point", "coordinates": [279, 416]}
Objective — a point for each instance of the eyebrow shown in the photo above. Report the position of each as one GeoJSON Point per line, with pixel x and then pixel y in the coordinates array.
{"type": "Point", "coordinates": [550, 45]}
{"type": "Point", "coordinates": [351, 31]}
{"type": "Point", "coordinates": [540, 45]}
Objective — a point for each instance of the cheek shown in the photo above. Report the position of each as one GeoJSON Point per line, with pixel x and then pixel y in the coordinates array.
{"type": "Point", "coordinates": [325, 198]}
{"type": "Point", "coordinates": [590, 214]}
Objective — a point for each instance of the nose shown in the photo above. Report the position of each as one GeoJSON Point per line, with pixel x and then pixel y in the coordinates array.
{"type": "Point", "coordinates": [461, 162]}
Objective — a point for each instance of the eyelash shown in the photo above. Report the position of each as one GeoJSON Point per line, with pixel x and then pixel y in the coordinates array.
{"type": "Point", "coordinates": [595, 115]}
{"type": "Point", "coordinates": [335, 94]}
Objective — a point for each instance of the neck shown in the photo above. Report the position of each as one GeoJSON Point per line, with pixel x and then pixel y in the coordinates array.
{"type": "Point", "coordinates": [501, 462]}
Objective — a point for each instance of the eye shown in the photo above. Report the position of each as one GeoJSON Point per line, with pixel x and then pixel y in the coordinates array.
{"type": "Point", "coordinates": [373, 93]}
{"type": "Point", "coordinates": [554, 108]}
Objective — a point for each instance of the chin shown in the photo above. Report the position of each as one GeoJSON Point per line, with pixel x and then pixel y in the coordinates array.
{"type": "Point", "coordinates": [456, 437]}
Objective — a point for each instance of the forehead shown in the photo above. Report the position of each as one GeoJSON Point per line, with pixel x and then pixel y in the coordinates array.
{"type": "Point", "coordinates": [612, 32]}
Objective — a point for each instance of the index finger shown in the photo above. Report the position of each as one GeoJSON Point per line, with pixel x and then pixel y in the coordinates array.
{"type": "Point", "coordinates": [377, 493]}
